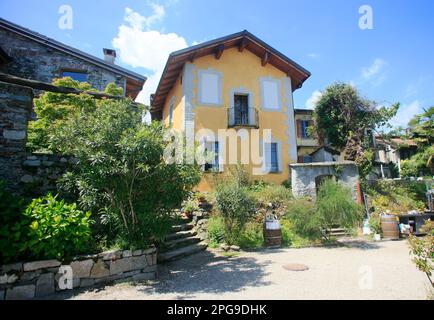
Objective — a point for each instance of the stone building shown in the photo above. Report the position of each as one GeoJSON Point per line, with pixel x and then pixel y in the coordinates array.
{"type": "Point", "coordinates": [28, 54]}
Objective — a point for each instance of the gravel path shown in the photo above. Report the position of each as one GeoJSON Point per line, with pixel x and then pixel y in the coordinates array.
{"type": "Point", "coordinates": [358, 270]}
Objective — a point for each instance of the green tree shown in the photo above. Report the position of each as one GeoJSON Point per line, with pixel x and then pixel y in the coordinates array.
{"type": "Point", "coordinates": [341, 117]}
{"type": "Point", "coordinates": [53, 109]}
{"type": "Point", "coordinates": [421, 130]}
{"type": "Point", "coordinates": [121, 171]}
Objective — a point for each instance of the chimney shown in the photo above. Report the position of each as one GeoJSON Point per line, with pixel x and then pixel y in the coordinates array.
{"type": "Point", "coordinates": [109, 55]}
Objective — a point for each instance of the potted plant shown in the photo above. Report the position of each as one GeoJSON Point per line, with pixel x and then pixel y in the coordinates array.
{"type": "Point", "coordinates": [375, 226]}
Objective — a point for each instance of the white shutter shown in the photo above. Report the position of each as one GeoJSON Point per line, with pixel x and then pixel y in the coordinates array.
{"type": "Point", "coordinates": [267, 157]}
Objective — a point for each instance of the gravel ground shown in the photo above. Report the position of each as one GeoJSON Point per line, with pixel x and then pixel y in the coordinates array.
{"type": "Point", "coordinates": [357, 270]}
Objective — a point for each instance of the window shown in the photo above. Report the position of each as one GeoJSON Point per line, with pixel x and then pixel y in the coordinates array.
{"type": "Point", "coordinates": [307, 158]}
{"type": "Point", "coordinates": [212, 148]}
{"type": "Point", "coordinates": [270, 94]}
{"type": "Point", "coordinates": [209, 87]}
{"type": "Point", "coordinates": [241, 109]}
{"type": "Point", "coordinates": [272, 155]}
{"type": "Point", "coordinates": [274, 162]}
{"type": "Point", "coordinates": [80, 76]}
{"type": "Point", "coordinates": [171, 113]}
{"type": "Point", "coordinates": [304, 129]}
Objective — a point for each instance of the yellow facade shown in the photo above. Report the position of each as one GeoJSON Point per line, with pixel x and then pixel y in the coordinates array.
{"type": "Point", "coordinates": [239, 71]}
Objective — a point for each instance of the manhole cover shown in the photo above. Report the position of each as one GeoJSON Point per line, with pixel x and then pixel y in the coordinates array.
{"type": "Point", "coordinates": [295, 267]}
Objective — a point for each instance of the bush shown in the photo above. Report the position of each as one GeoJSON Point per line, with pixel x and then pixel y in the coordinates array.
{"type": "Point", "coordinates": [397, 196]}
{"type": "Point", "coordinates": [12, 223]}
{"type": "Point", "coordinates": [375, 223]}
{"type": "Point", "coordinates": [336, 206]}
{"type": "Point", "coordinates": [216, 230]}
{"type": "Point", "coordinates": [235, 206]}
{"type": "Point", "coordinates": [250, 237]}
{"type": "Point", "coordinates": [422, 250]}
{"type": "Point", "coordinates": [56, 230]}
{"type": "Point", "coordinates": [302, 215]}
{"type": "Point", "coordinates": [279, 196]}
{"type": "Point", "coordinates": [122, 172]}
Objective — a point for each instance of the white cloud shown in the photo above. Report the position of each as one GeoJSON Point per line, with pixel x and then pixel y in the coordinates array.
{"type": "Point", "coordinates": [139, 46]}
{"type": "Point", "coordinates": [314, 55]}
{"type": "Point", "coordinates": [405, 113]}
{"type": "Point", "coordinates": [314, 98]}
{"type": "Point", "coordinates": [375, 73]}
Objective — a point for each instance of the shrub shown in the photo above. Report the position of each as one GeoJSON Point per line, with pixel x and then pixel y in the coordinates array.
{"type": "Point", "coordinates": [422, 250]}
{"type": "Point", "coordinates": [252, 236]}
{"type": "Point", "coordinates": [302, 215]}
{"type": "Point", "coordinates": [235, 206]}
{"type": "Point", "coordinates": [397, 196]}
{"type": "Point", "coordinates": [56, 230]}
{"type": "Point", "coordinates": [336, 206]}
{"type": "Point", "coordinates": [375, 223]}
{"type": "Point", "coordinates": [191, 205]}
{"type": "Point", "coordinates": [216, 230]}
{"type": "Point", "coordinates": [12, 224]}
{"type": "Point", "coordinates": [122, 171]}
{"type": "Point", "coordinates": [277, 195]}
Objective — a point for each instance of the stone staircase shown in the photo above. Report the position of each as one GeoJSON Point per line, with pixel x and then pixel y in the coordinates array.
{"type": "Point", "coordinates": [182, 242]}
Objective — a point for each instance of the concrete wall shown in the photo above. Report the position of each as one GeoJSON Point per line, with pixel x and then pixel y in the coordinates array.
{"type": "Point", "coordinates": [303, 176]}
{"type": "Point", "coordinates": [35, 61]}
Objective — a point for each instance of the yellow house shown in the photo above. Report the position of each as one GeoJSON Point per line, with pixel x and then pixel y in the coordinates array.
{"type": "Point", "coordinates": [235, 86]}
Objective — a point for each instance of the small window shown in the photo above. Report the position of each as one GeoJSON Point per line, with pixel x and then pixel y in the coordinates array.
{"type": "Point", "coordinates": [307, 158]}
{"type": "Point", "coordinates": [304, 129]}
{"type": "Point", "coordinates": [270, 94]}
{"type": "Point", "coordinates": [75, 75]}
{"type": "Point", "coordinates": [212, 147]}
{"type": "Point", "coordinates": [274, 167]}
{"type": "Point", "coordinates": [272, 157]}
{"type": "Point", "coordinates": [210, 87]}
{"type": "Point", "coordinates": [171, 113]}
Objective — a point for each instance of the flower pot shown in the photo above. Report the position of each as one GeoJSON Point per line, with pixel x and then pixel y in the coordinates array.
{"type": "Point", "coordinates": [377, 237]}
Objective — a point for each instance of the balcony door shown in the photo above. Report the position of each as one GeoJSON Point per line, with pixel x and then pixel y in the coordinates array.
{"type": "Point", "coordinates": [241, 109]}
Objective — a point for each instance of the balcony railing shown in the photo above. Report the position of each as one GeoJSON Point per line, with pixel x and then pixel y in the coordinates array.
{"type": "Point", "coordinates": [243, 117]}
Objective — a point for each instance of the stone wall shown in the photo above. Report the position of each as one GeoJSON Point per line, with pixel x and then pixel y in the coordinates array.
{"type": "Point", "coordinates": [36, 61]}
{"type": "Point", "coordinates": [40, 173]}
{"type": "Point", "coordinates": [15, 111]}
{"type": "Point", "coordinates": [303, 176]}
{"type": "Point", "coordinates": [32, 174]}
{"type": "Point", "coordinates": [41, 278]}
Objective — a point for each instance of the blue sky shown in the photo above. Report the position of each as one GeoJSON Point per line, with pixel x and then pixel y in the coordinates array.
{"type": "Point", "coordinates": [393, 62]}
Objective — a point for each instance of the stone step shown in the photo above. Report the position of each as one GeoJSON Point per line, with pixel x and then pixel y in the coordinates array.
{"type": "Point", "coordinates": [177, 243]}
{"type": "Point", "coordinates": [181, 234]}
{"type": "Point", "coordinates": [181, 252]}
{"type": "Point", "coordinates": [182, 227]}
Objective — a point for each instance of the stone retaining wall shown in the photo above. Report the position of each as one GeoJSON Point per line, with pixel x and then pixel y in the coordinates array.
{"type": "Point", "coordinates": [41, 278]}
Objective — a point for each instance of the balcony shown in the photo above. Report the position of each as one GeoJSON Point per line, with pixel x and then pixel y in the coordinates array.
{"type": "Point", "coordinates": [243, 117]}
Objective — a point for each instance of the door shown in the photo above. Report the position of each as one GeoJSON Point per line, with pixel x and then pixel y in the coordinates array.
{"type": "Point", "coordinates": [241, 109]}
